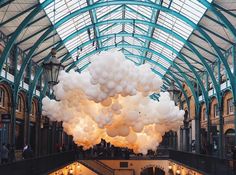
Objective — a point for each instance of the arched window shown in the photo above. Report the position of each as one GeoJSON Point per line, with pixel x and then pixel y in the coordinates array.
{"type": "Point", "coordinates": [204, 114]}
{"type": "Point", "coordinates": [216, 111]}
{"type": "Point", "coordinates": [19, 104]}
{"type": "Point", "coordinates": [230, 106]}
{"type": "Point", "coordinates": [2, 97]}
{"type": "Point", "coordinates": [33, 111]}
{"type": "Point", "coordinates": [229, 142]}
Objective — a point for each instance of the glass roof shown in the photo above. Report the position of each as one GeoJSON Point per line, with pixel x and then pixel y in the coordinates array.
{"type": "Point", "coordinates": [192, 9]}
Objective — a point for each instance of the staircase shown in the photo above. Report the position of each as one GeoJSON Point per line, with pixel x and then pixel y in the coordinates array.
{"type": "Point", "coordinates": [97, 167]}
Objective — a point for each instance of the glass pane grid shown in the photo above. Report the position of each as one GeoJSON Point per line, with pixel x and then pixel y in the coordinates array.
{"type": "Point", "coordinates": [133, 59]}
{"type": "Point", "coordinates": [132, 15]}
{"type": "Point", "coordinates": [83, 62]}
{"type": "Point", "coordinates": [133, 51]}
{"type": "Point", "coordinates": [142, 26]}
{"type": "Point", "coordinates": [113, 30]}
{"type": "Point", "coordinates": [132, 41]}
{"type": "Point", "coordinates": [156, 47]}
{"type": "Point", "coordinates": [129, 28]}
{"type": "Point", "coordinates": [114, 15]}
{"type": "Point", "coordinates": [105, 27]}
{"type": "Point", "coordinates": [103, 12]}
{"type": "Point", "coordinates": [146, 11]}
{"type": "Point", "coordinates": [158, 69]}
{"type": "Point", "coordinates": [191, 9]}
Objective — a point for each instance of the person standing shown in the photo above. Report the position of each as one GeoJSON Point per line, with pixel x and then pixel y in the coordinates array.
{"type": "Point", "coordinates": [4, 154]}
{"type": "Point", "coordinates": [28, 153]}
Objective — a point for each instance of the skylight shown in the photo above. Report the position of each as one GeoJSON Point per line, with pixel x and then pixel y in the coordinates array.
{"type": "Point", "coordinates": [190, 8]}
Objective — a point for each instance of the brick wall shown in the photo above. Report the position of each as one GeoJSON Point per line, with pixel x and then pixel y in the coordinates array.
{"type": "Point", "coordinates": [228, 118]}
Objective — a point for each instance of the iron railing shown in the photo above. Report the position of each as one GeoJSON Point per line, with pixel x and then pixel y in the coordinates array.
{"type": "Point", "coordinates": [202, 163]}
{"type": "Point", "coordinates": [97, 167]}
{"type": "Point", "coordinates": [40, 165]}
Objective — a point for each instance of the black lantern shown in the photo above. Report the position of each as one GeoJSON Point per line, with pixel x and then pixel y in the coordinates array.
{"type": "Point", "coordinates": [174, 93]}
{"type": "Point", "coordinates": [52, 68]}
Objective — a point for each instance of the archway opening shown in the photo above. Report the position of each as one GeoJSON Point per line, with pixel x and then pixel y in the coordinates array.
{"type": "Point", "coordinates": [152, 171]}
{"type": "Point", "coordinates": [229, 142]}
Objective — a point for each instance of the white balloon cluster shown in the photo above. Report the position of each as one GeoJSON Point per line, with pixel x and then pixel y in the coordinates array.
{"type": "Point", "coordinates": [111, 101]}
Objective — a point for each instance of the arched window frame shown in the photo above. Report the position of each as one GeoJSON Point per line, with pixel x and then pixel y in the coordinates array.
{"type": "Point", "coordinates": [230, 106]}
{"type": "Point", "coordinates": [19, 104]}
{"type": "Point", "coordinates": [2, 97]}
{"type": "Point", "coordinates": [33, 109]}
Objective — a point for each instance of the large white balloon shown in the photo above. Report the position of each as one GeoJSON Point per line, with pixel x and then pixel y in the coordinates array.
{"type": "Point", "coordinates": [110, 101]}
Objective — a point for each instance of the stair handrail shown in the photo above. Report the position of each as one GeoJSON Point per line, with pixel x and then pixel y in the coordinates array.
{"type": "Point", "coordinates": [105, 166]}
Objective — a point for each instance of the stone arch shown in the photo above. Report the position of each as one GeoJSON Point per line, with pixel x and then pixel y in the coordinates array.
{"type": "Point", "coordinates": [6, 106]}
{"type": "Point", "coordinates": [203, 115]}
{"type": "Point", "coordinates": [213, 106]}
{"type": "Point", "coordinates": [34, 110]}
{"type": "Point", "coordinates": [152, 171]}
{"type": "Point", "coordinates": [229, 142]}
{"type": "Point", "coordinates": [21, 105]}
{"type": "Point", "coordinates": [227, 96]}
{"type": "Point", "coordinates": [225, 91]}
{"type": "Point", "coordinates": [5, 111]}
{"type": "Point", "coordinates": [20, 120]}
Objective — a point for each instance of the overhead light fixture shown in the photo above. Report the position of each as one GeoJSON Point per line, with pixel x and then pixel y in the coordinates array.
{"type": "Point", "coordinates": [52, 68]}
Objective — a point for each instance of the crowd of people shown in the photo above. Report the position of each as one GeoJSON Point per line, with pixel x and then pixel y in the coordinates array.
{"type": "Point", "coordinates": [7, 153]}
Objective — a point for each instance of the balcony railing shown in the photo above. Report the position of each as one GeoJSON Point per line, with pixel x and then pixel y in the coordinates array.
{"type": "Point", "coordinates": [38, 165]}
{"type": "Point", "coordinates": [203, 163]}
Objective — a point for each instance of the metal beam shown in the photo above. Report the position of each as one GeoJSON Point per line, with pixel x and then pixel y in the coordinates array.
{"type": "Point", "coordinates": [33, 35]}
{"type": "Point", "coordinates": [154, 18]}
{"type": "Point", "coordinates": [93, 16]}
{"type": "Point", "coordinates": [162, 28]}
{"type": "Point", "coordinates": [19, 29]}
{"type": "Point", "coordinates": [217, 35]}
{"type": "Point", "coordinates": [158, 7]}
{"type": "Point", "coordinates": [18, 15]}
{"type": "Point", "coordinates": [3, 3]}
{"type": "Point", "coordinates": [36, 20]}
{"type": "Point", "coordinates": [202, 32]}
{"type": "Point", "coordinates": [223, 19]}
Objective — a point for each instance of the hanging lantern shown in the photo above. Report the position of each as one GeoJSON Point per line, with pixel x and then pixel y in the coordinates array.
{"type": "Point", "coordinates": [52, 68]}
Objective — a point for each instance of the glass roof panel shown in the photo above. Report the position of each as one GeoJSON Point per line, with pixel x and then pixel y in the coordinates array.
{"type": "Point", "coordinates": [191, 9]}
{"type": "Point", "coordinates": [104, 12]}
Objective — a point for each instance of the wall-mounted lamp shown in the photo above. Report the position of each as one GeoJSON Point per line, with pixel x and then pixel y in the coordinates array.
{"type": "Point", "coordinates": [71, 171]}
{"type": "Point", "coordinates": [177, 171]}
{"type": "Point", "coordinates": [78, 166]}
{"type": "Point", "coordinates": [170, 167]}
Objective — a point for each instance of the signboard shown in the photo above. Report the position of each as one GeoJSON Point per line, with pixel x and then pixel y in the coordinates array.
{"type": "Point", "coordinates": [124, 165]}
{"type": "Point", "coordinates": [6, 118]}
